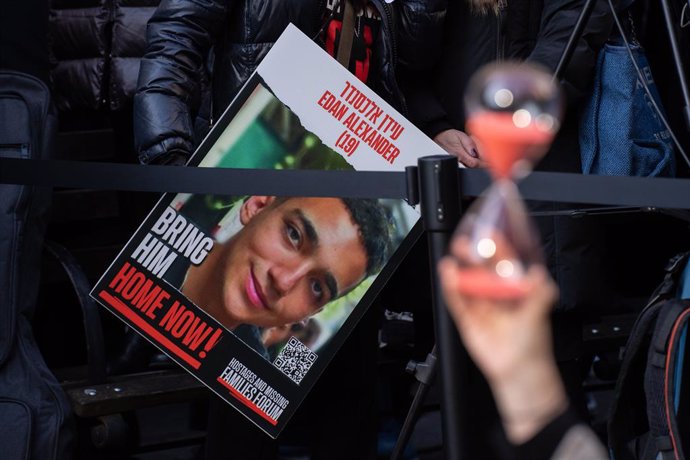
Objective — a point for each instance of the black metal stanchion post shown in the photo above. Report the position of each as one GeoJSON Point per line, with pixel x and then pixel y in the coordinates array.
{"type": "Point", "coordinates": [425, 373]}
{"type": "Point", "coordinates": [440, 208]}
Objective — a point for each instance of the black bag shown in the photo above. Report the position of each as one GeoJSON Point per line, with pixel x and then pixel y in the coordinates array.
{"type": "Point", "coordinates": [649, 416]}
{"type": "Point", "coordinates": [34, 412]}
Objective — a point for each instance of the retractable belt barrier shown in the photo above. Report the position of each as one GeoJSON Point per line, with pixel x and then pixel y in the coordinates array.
{"type": "Point", "coordinates": [222, 181]}
{"type": "Point", "coordinates": [560, 187]}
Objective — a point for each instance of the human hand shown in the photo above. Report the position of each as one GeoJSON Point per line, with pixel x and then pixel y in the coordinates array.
{"type": "Point", "coordinates": [510, 341]}
{"type": "Point", "coordinates": [461, 146]}
{"type": "Point", "coordinates": [501, 335]}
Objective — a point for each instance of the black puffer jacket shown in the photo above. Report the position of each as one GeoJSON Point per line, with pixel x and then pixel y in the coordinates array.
{"type": "Point", "coordinates": [182, 32]}
{"type": "Point", "coordinates": [531, 30]}
{"type": "Point", "coordinates": [95, 49]}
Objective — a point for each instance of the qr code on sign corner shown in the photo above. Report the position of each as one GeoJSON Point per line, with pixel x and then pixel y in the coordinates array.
{"type": "Point", "coordinates": [295, 359]}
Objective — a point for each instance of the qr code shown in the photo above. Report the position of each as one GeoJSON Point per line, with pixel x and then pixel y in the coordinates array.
{"type": "Point", "coordinates": [295, 360]}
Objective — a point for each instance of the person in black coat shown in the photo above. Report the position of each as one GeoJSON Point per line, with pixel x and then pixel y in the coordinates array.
{"type": "Point", "coordinates": [389, 37]}
{"type": "Point", "coordinates": [481, 31]}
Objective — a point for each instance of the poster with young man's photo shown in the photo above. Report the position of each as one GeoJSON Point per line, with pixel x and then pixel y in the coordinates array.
{"type": "Point", "coordinates": [254, 294]}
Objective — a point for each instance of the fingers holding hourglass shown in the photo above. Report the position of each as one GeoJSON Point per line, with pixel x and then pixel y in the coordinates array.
{"type": "Point", "coordinates": [489, 267]}
{"type": "Point", "coordinates": [501, 333]}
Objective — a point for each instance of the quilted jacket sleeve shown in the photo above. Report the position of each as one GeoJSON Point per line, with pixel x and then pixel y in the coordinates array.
{"type": "Point", "coordinates": [179, 37]}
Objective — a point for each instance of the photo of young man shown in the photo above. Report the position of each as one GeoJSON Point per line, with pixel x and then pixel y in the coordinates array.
{"type": "Point", "coordinates": [291, 257]}
{"type": "Point", "coordinates": [278, 261]}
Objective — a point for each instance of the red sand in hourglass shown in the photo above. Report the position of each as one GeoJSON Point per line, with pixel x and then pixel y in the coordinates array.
{"type": "Point", "coordinates": [480, 282]}
{"type": "Point", "coordinates": [503, 143]}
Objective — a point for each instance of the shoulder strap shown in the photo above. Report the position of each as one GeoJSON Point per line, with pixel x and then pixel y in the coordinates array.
{"type": "Point", "coordinates": [669, 286]}
{"type": "Point", "coordinates": [347, 33]}
{"type": "Point", "coordinates": [660, 377]}
{"type": "Point", "coordinates": [628, 419]}
{"type": "Point", "coordinates": [683, 291]}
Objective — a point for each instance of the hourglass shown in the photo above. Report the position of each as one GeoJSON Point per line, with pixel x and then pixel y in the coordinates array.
{"type": "Point", "coordinates": [513, 112]}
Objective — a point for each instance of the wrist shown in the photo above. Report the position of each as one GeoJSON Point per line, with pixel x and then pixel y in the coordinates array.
{"type": "Point", "coordinates": [436, 127]}
{"type": "Point", "coordinates": [529, 399]}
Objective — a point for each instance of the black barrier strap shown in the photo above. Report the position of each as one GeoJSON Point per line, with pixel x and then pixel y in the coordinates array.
{"type": "Point", "coordinates": [608, 190]}
{"type": "Point", "coordinates": [560, 187]}
{"type": "Point", "coordinates": [222, 181]}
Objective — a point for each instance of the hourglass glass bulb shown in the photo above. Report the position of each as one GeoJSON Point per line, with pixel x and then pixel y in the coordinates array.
{"type": "Point", "coordinates": [496, 244]}
{"type": "Point", "coordinates": [513, 111]}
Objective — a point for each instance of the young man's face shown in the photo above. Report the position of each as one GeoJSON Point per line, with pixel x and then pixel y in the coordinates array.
{"type": "Point", "coordinates": [290, 259]}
